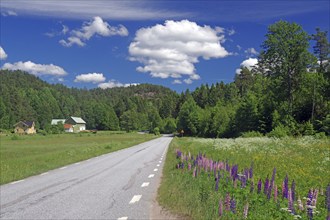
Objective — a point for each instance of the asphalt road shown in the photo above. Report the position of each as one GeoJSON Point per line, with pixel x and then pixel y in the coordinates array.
{"type": "Point", "coordinates": [118, 185]}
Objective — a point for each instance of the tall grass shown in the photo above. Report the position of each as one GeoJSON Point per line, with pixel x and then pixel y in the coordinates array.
{"type": "Point", "coordinates": [189, 185]}
{"type": "Point", "coordinates": [23, 156]}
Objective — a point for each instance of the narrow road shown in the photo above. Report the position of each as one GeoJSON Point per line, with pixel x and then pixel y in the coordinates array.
{"type": "Point", "coordinates": [118, 185]}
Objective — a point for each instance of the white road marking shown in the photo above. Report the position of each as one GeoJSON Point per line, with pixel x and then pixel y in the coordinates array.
{"type": "Point", "coordinates": [123, 218]}
{"type": "Point", "coordinates": [77, 163]}
{"type": "Point", "coordinates": [44, 174]}
{"type": "Point", "coordinates": [135, 199]}
{"type": "Point", "coordinates": [151, 175]}
{"type": "Point", "coordinates": [155, 169]}
{"type": "Point", "coordinates": [158, 165]}
{"type": "Point", "coordinates": [145, 184]}
{"type": "Point", "coordinates": [62, 168]}
{"type": "Point", "coordinates": [88, 160]}
{"type": "Point", "coordinates": [16, 182]}
{"type": "Point", "coordinates": [160, 161]}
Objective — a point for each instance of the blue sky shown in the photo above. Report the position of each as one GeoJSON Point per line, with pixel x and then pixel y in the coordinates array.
{"type": "Point", "coordinates": [178, 44]}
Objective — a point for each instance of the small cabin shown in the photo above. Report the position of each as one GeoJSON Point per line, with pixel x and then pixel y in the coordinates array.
{"type": "Point", "coordinates": [25, 127]}
{"type": "Point", "coordinates": [78, 124]}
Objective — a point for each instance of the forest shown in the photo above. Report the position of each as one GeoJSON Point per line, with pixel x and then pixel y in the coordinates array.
{"type": "Point", "coordinates": [286, 94]}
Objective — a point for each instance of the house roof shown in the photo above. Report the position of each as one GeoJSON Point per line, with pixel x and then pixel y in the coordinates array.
{"type": "Point", "coordinates": [78, 120]}
{"type": "Point", "coordinates": [28, 124]}
{"type": "Point", "coordinates": [56, 121]}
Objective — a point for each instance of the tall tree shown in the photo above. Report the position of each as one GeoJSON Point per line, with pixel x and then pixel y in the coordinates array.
{"type": "Point", "coordinates": [322, 49]}
{"type": "Point", "coordinates": [285, 57]}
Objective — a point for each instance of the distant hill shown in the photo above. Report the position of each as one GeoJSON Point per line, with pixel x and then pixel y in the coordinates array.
{"type": "Point", "coordinates": [26, 97]}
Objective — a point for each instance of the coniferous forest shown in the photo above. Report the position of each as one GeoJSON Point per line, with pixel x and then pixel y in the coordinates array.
{"type": "Point", "coordinates": [286, 93]}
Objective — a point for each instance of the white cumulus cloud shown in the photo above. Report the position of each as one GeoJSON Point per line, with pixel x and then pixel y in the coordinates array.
{"type": "Point", "coordinates": [36, 69]}
{"type": "Point", "coordinates": [95, 27]}
{"type": "Point", "coordinates": [90, 78]}
{"type": "Point", "coordinates": [248, 63]}
{"type": "Point", "coordinates": [3, 54]}
{"type": "Point", "coordinates": [113, 83]}
{"type": "Point", "coordinates": [172, 49]}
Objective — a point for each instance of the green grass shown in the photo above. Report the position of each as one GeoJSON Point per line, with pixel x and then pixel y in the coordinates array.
{"type": "Point", "coordinates": [305, 160]}
{"type": "Point", "coordinates": [23, 156]}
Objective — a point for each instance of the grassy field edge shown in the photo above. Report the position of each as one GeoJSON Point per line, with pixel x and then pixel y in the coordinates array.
{"type": "Point", "coordinates": [25, 156]}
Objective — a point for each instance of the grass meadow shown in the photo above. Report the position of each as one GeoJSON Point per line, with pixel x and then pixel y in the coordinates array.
{"type": "Point", "coordinates": [27, 155]}
{"type": "Point", "coordinates": [236, 179]}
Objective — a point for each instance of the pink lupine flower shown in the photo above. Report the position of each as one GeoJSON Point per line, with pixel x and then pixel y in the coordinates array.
{"type": "Point", "coordinates": [227, 202]}
{"type": "Point", "coordinates": [220, 209]}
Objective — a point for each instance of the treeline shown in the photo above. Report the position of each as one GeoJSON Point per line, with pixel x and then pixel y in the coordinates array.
{"type": "Point", "coordinates": [286, 93]}
{"type": "Point", "coordinates": [142, 107]}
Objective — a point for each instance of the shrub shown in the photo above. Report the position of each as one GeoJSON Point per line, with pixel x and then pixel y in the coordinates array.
{"type": "Point", "coordinates": [156, 131]}
{"type": "Point", "coordinates": [279, 131]}
{"type": "Point", "coordinates": [320, 135]}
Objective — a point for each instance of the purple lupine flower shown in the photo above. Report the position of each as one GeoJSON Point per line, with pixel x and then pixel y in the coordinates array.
{"type": "Point", "coordinates": [220, 209]}
{"type": "Point", "coordinates": [227, 202]}
{"type": "Point", "coordinates": [233, 205]}
{"type": "Point", "coordinates": [216, 184]}
{"type": "Point", "coordinates": [189, 166]}
{"type": "Point", "coordinates": [293, 190]}
{"type": "Point", "coordinates": [251, 186]}
{"type": "Point", "coordinates": [227, 166]}
{"type": "Point", "coordinates": [266, 185]}
{"type": "Point", "coordinates": [285, 187]}
{"type": "Point", "coordinates": [178, 153]}
{"type": "Point", "coordinates": [327, 198]}
{"type": "Point", "coordinates": [309, 205]}
{"type": "Point", "coordinates": [251, 170]}
{"type": "Point", "coordinates": [243, 182]}
{"type": "Point", "coordinates": [246, 209]}
{"type": "Point", "coordinates": [194, 172]}
{"type": "Point", "coordinates": [259, 186]}
{"type": "Point", "coordinates": [234, 171]}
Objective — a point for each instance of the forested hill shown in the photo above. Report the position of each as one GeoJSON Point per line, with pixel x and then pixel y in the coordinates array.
{"type": "Point", "coordinates": [26, 97]}
{"type": "Point", "coordinates": [286, 93]}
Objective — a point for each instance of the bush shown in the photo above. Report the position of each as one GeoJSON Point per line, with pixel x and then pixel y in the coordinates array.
{"type": "Point", "coordinates": [320, 135]}
{"type": "Point", "coordinates": [156, 131]}
{"type": "Point", "coordinates": [279, 131]}
{"type": "Point", "coordinates": [252, 134]}
{"type": "Point", "coordinates": [307, 129]}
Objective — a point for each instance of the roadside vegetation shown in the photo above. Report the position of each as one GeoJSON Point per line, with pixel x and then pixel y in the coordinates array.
{"type": "Point", "coordinates": [253, 178]}
{"type": "Point", "coordinates": [23, 156]}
